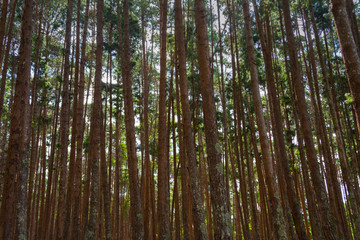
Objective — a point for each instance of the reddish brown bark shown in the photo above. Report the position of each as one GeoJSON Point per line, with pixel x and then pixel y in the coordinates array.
{"type": "Point", "coordinates": [266, 46]}
{"type": "Point", "coordinates": [13, 205]}
{"type": "Point", "coordinates": [4, 13]}
{"type": "Point", "coordinates": [276, 211]}
{"type": "Point", "coordinates": [76, 229]}
{"type": "Point", "coordinates": [74, 130]}
{"type": "Point", "coordinates": [6, 57]}
{"type": "Point", "coordinates": [327, 218]}
{"type": "Point", "coordinates": [349, 48]}
{"type": "Point", "coordinates": [64, 126]}
{"type": "Point", "coordinates": [222, 224]}
{"type": "Point", "coordinates": [137, 228]}
{"type": "Point", "coordinates": [197, 206]}
{"type": "Point", "coordinates": [163, 207]}
{"type": "Point", "coordinates": [183, 170]}
{"type": "Point", "coordinates": [95, 131]}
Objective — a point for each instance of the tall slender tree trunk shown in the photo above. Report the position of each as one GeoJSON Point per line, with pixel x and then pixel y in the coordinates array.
{"type": "Point", "coordinates": [197, 206]}
{"type": "Point", "coordinates": [33, 131]}
{"type": "Point", "coordinates": [4, 14]}
{"type": "Point", "coordinates": [183, 164]}
{"type": "Point", "coordinates": [88, 166]}
{"type": "Point", "coordinates": [96, 129]}
{"type": "Point", "coordinates": [13, 205]}
{"type": "Point", "coordinates": [74, 129]}
{"type": "Point", "coordinates": [328, 225]}
{"type": "Point", "coordinates": [76, 229]}
{"type": "Point", "coordinates": [349, 48]}
{"type": "Point", "coordinates": [224, 107]}
{"type": "Point", "coordinates": [278, 127]}
{"type": "Point", "coordinates": [222, 223]}
{"type": "Point", "coordinates": [147, 171]}
{"type": "Point", "coordinates": [163, 164]}
{"type": "Point", "coordinates": [276, 211]}
{"type": "Point", "coordinates": [137, 227]}
{"type": "Point", "coordinates": [43, 215]}
{"type": "Point", "coordinates": [6, 57]}
{"type": "Point", "coordinates": [105, 189]}
{"type": "Point", "coordinates": [64, 126]}
{"type": "Point", "coordinates": [176, 201]}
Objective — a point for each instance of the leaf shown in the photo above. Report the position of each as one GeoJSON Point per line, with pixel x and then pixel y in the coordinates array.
{"type": "Point", "coordinates": [349, 98]}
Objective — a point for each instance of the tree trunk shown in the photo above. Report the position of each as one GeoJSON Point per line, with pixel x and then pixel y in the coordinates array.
{"type": "Point", "coordinates": [197, 206]}
{"type": "Point", "coordinates": [64, 126]}
{"type": "Point", "coordinates": [278, 127]}
{"type": "Point", "coordinates": [74, 129]}
{"type": "Point", "coordinates": [183, 164]}
{"type": "Point", "coordinates": [349, 48]}
{"type": "Point", "coordinates": [276, 211]}
{"type": "Point", "coordinates": [137, 228]}
{"type": "Point", "coordinates": [76, 229]}
{"type": "Point", "coordinates": [14, 193]}
{"type": "Point", "coordinates": [96, 128]}
{"type": "Point", "coordinates": [4, 13]}
{"type": "Point", "coordinates": [222, 223]}
{"type": "Point", "coordinates": [6, 58]}
{"type": "Point", "coordinates": [105, 189]}
{"type": "Point", "coordinates": [163, 224]}
{"type": "Point", "coordinates": [328, 225]}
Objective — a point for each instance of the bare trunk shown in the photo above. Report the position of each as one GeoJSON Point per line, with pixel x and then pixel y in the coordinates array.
{"type": "Point", "coordinates": [222, 223]}
{"type": "Point", "coordinates": [197, 206]}
{"type": "Point", "coordinates": [163, 164]}
{"type": "Point", "coordinates": [351, 56]}
{"type": "Point", "coordinates": [276, 211]}
{"type": "Point", "coordinates": [14, 193]}
{"type": "Point", "coordinates": [183, 170]}
{"type": "Point", "coordinates": [6, 57]}
{"type": "Point", "coordinates": [76, 229]}
{"type": "Point", "coordinates": [96, 129]}
{"type": "Point", "coordinates": [64, 126]}
{"type": "Point", "coordinates": [137, 228]}
{"type": "Point", "coordinates": [327, 218]}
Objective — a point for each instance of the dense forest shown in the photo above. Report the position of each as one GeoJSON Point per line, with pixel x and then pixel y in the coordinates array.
{"type": "Point", "coordinates": [180, 119]}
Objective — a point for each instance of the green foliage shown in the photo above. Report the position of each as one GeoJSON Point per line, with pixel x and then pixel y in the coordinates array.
{"type": "Point", "coordinates": [349, 98]}
{"type": "Point", "coordinates": [86, 144]}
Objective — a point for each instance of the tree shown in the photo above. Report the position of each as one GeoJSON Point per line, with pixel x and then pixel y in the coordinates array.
{"type": "Point", "coordinates": [349, 50]}
{"type": "Point", "coordinates": [329, 228]}
{"type": "Point", "coordinates": [163, 162]}
{"type": "Point", "coordinates": [278, 129]}
{"type": "Point", "coordinates": [80, 132]}
{"type": "Point", "coordinates": [222, 226]}
{"type": "Point", "coordinates": [276, 211]}
{"type": "Point", "coordinates": [137, 227]}
{"type": "Point", "coordinates": [13, 204]}
{"type": "Point", "coordinates": [64, 125]}
{"type": "Point", "coordinates": [200, 123]}
{"type": "Point", "coordinates": [198, 211]}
